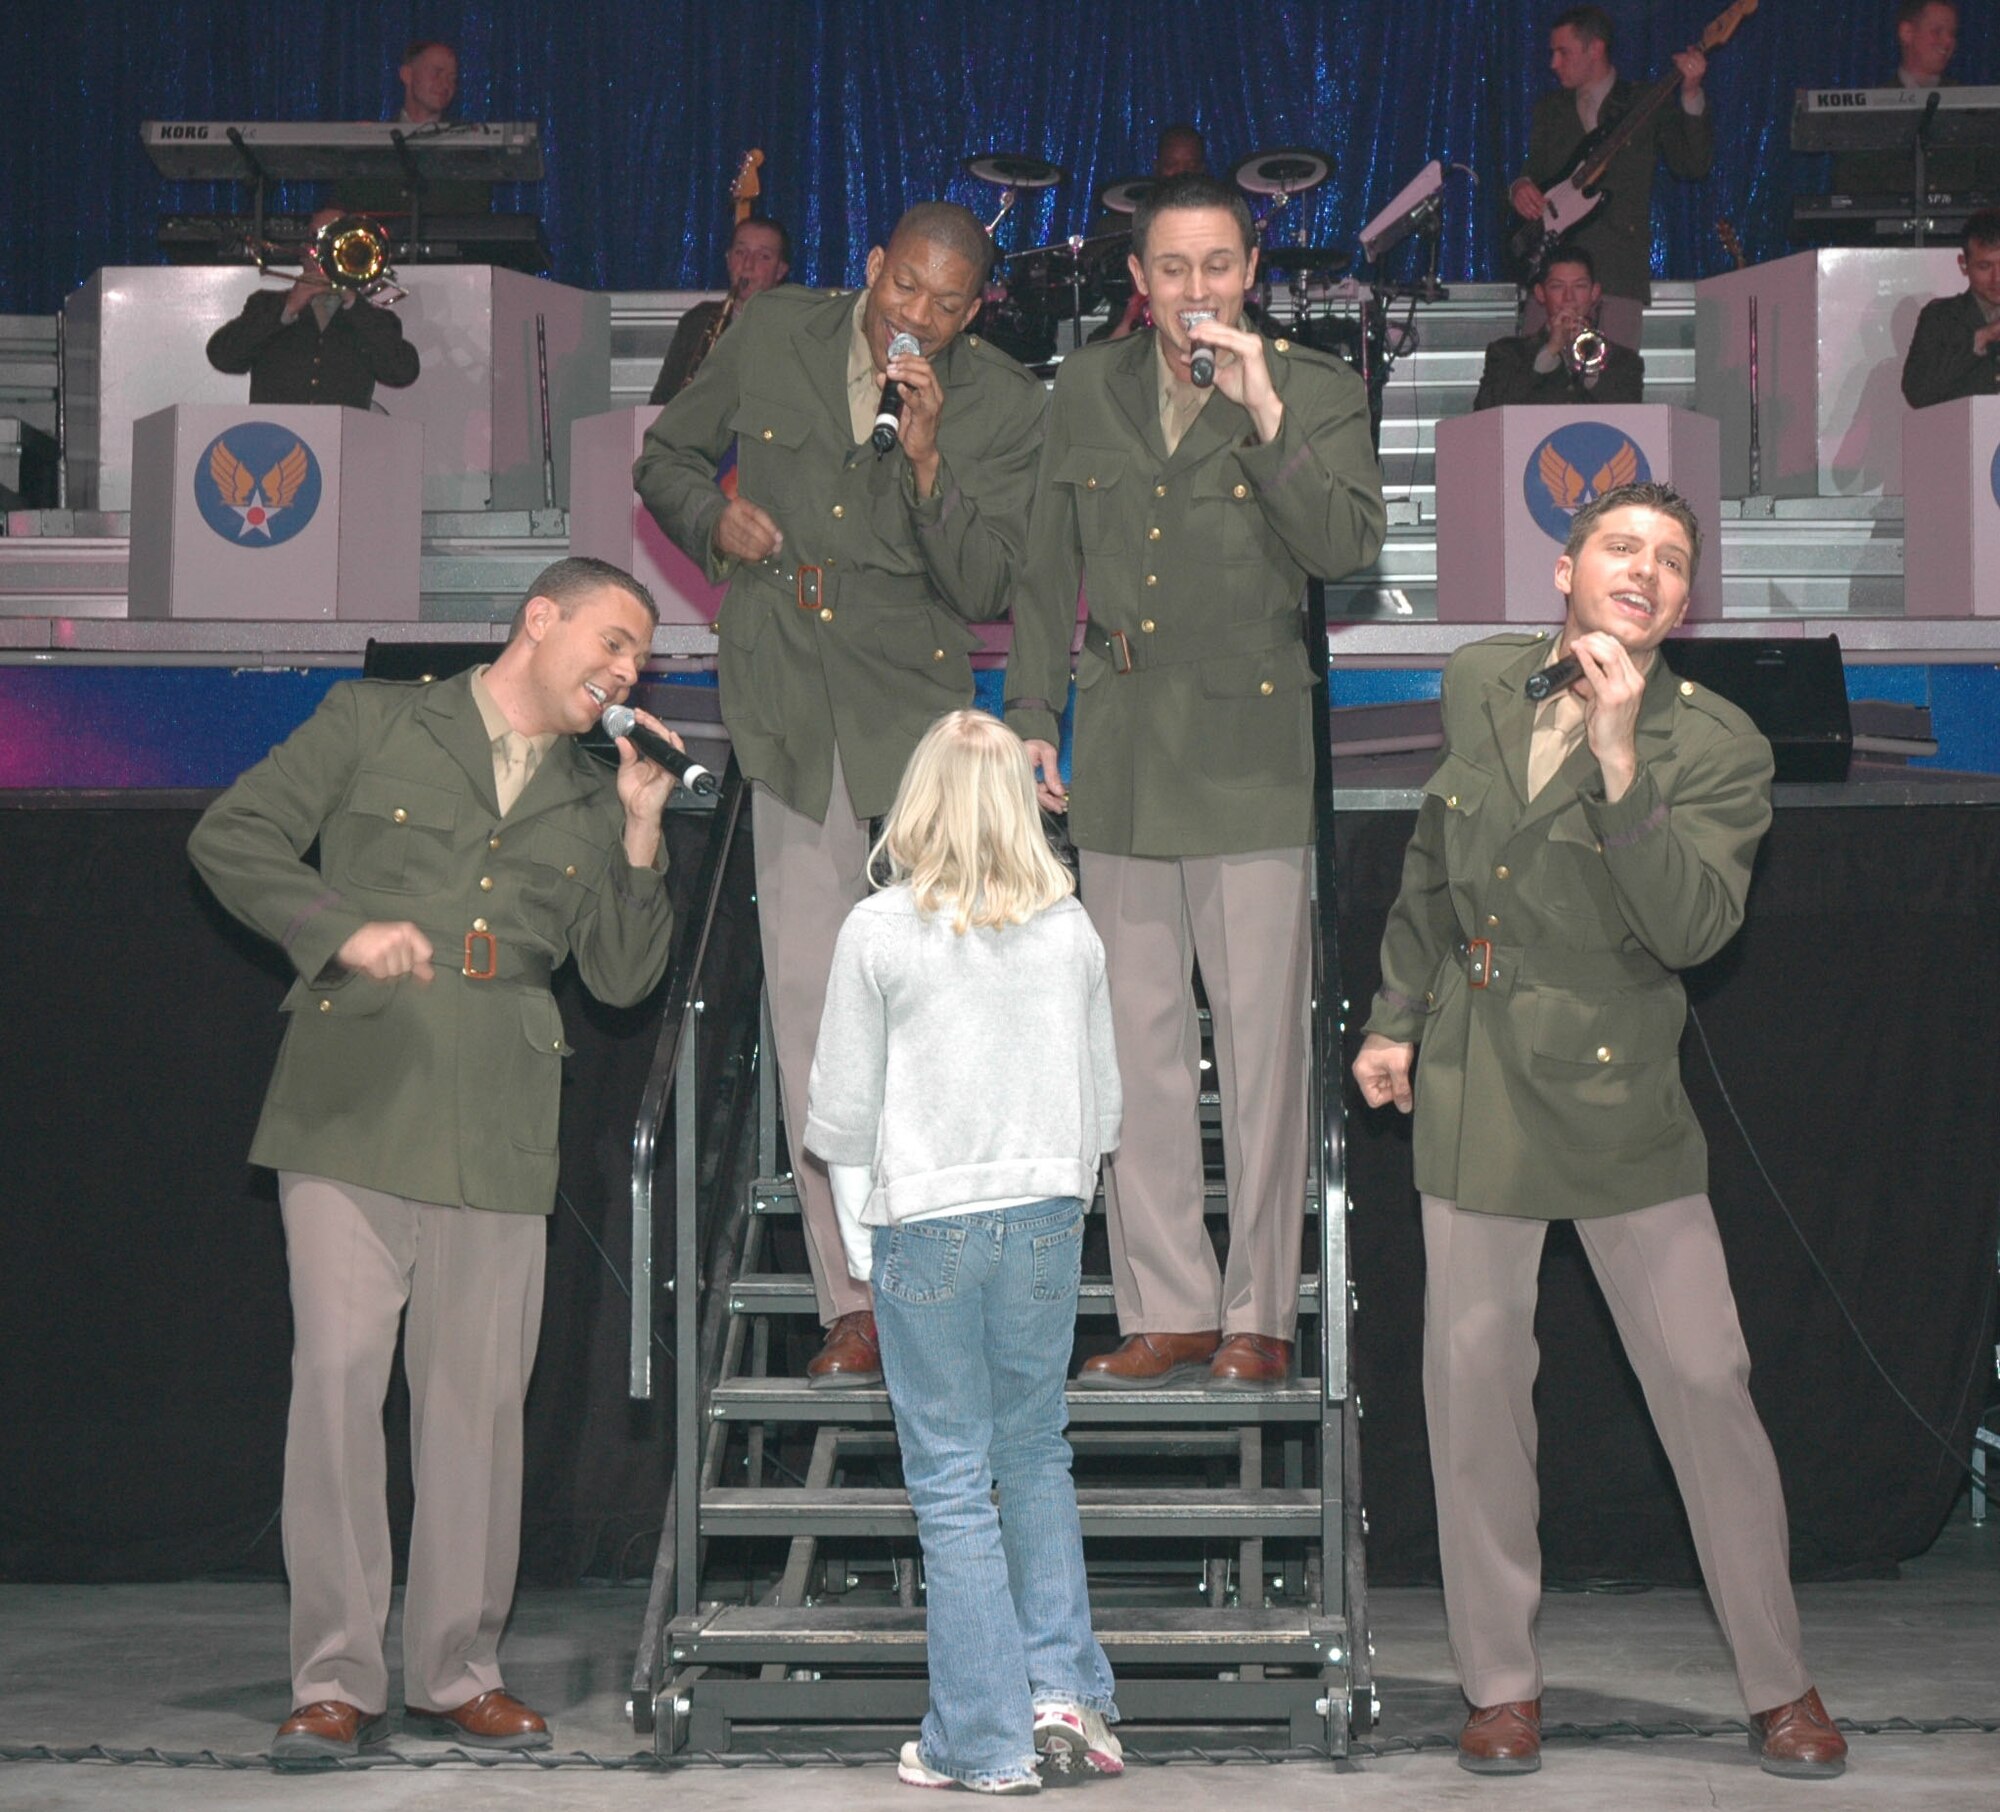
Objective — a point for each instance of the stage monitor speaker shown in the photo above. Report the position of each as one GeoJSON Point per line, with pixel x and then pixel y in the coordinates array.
{"type": "Point", "coordinates": [1794, 691]}
{"type": "Point", "coordinates": [422, 660]}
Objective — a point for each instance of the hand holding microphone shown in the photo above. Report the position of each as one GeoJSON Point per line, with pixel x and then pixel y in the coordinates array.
{"type": "Point", "coordinates": [622, 720]}
{"type": "Point", "coordinates": [889, 414]}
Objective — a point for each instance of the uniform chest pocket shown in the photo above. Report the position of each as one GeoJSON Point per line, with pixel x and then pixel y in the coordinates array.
{"type": "Point", "coordinates": [563, 869]}
{"type": "Point", "coordinates": [1222, 511]}
{"type": "Point", "coordinates": [1093, 478]}
{"type": "Point", "coordinates": [395, 834]}
{"type": "Point", "coordinates": [1456, 793]}
{"type": "Point", "coordinates": [768, 434]}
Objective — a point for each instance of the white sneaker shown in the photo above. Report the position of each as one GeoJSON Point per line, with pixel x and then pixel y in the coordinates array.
{"type": "Point", "coordinates": [1075, 1745]}
{"type": "Point", "coordinates": [913, 1771]}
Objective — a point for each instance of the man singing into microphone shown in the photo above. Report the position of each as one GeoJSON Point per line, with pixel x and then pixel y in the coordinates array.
{"type": "Point", "coordinates": [1568, 860]}
{"type": "Point", "coordinates": [1193, 512]}
{"type": "Point", "coordinates": [466, 849]}
{"type": "Point", "coordinates": [854, 576]}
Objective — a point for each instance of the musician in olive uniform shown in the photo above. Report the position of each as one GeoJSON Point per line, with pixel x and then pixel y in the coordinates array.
{"type": "Point", "coordinates": [1567, 861]}
{"type": "Point", "coordinates": [1193, 516]}
{"type": "Point", "coordinates": [1590, 97]}
{"type": "Point", "coordinates": [467, 847]}
{"type": "Point", "coordinates": [854, 578]}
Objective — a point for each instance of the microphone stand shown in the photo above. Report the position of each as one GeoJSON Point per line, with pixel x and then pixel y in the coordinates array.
{"type": "Point", "coordinates": [1920, 199]}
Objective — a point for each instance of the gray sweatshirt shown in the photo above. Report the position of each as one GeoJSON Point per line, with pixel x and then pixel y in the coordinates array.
{"type": "Point", "coordinates": [964, 1070]}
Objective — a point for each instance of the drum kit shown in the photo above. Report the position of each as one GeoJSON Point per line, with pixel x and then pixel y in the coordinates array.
{"type": "Point", "coordinates": [1040, 286]}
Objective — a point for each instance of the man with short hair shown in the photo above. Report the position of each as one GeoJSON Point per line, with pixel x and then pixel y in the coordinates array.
{"type": "Point", "coordinates": [1193, 517]}
{"type": "Point", "coordinates": [1546, 367]}
{"type": "Point", "coordinates": [1570, 858]}
{"type": "Point", "coordinates": [428, 74]}
{"type": "Point", "coordinates": [313, 343]}
{"type": "Point", "coordinates": [854, 578]}
{"type": "Point", "coordinates": [467, 848]}
{"type": "Point", "coordinates": [1926, 42]}
{"type": "Point", "coordinates": [1955, 350]}
{"type": "Point", "coordinates": [1590, 95]}
{"type": "Point", "coordinates": [760, 257]}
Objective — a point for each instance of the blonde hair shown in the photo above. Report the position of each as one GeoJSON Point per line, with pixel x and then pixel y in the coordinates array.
{"type": "Point", "coordinates": [965, 833]}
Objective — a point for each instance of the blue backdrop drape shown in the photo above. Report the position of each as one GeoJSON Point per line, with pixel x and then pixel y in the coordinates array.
{"type": "Point", "coordinates": [863, 106]}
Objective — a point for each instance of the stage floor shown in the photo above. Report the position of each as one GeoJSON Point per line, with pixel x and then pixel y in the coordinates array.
{"type": "Point", "coordinates": [185, 1668]}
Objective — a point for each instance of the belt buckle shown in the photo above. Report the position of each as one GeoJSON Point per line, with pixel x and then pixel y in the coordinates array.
{"type": "Point", "coordinates": [809, 581]}
{"type": "Point", "coordinates": [1121, 651]}
{"type": "Point", "coordinates": [492, 956]}
{"type": "Point", "coordinates": [1479, 962]}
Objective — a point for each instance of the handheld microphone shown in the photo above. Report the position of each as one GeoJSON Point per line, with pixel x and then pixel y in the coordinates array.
{"type": "Point", "coordinates": [1201, 361]}
{"type": "Point", "coordinates": [1566, 672]}
{"type": "Point", "coordinates": [622, 720]}
{"type": "Point", "coordinates": [889, 415]}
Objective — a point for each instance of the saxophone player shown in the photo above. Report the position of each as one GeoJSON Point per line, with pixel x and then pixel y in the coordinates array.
{"type": "Point", "coordinates": [760, 257]}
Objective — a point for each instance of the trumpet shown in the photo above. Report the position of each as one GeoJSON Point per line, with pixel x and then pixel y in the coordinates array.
{"type": "Point", "coordinates": [1587, 352]}
{"type": "Point", "coordinates": [351, 253]}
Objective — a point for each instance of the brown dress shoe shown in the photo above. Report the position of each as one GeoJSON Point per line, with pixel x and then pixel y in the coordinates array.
{"type": "Point", "coordinates": [851, 1354]}
{"type": "Point", "coordinates": [494, 1720]}
{"type": "Point", "coordinates": [1502, 1739]}
{"type": "Point", "coordinates": [326, 1728]}
{"type": "Point", "coordinates": [1799, 1740]}
{"type": "Point", "coordinates": [1148, 1360]}
{"type": "Point", "coordinates": [1251, 1362]}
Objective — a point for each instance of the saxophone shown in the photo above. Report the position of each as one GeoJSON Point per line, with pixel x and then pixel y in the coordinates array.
{"type": "Point", "coordinates": [716, 328]}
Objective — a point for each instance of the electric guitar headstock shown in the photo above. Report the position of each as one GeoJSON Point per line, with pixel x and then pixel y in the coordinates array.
{"type": "Point", "coordinates": [746, 188]}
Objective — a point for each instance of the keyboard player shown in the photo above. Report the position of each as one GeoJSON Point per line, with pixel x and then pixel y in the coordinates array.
{"type": "Point", "coordinates": [1926, 40]}
{"type": "Point", "coordinates": [429, 75]}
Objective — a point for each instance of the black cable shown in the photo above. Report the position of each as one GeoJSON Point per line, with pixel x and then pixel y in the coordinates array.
{"type": "Point", "coordinates": [1959, 1463]}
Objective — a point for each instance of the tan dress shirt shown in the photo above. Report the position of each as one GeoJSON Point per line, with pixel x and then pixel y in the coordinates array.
{"type": "Point", "coordinates": [515, 757]}
{"type": "Point", "coordinates": [864, 382]}
{"type": "Point", "coordinates": [1180, 401]}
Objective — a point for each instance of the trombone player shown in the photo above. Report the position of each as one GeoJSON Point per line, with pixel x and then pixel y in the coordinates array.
{"type": "Point", "coordinates": [321, 341]}
{"type": "Point", "coordinates": [1571, 361]}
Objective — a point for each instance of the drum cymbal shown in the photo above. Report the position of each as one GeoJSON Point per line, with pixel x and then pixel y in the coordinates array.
{"type": "Point", "coordinates": [1014, 170]}
{"type": "Point", "coordinates": [1085, 251]}
{"type": "Point", "coordinates": [1290, 171]}
{"type": "Point", "coordinates": [1123, 195]}
{"type": "Point", "coordinates": [1328, 258]}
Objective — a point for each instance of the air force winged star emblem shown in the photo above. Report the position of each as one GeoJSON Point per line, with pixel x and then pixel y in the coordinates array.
{"type": "Point", "coordinates": [1555, 484]}
{"type": "Point", "coordinates": [257, 484]}
{"type": "Point", "coordinates": [257, 502]}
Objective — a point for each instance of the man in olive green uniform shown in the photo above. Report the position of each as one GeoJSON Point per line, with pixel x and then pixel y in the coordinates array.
{"type": "Point", "coordinates": [854, 577]}
{"type": "Point", "coordinates": [1193, 517]}
{"type": "Point", "coordinates": [1568, 859]}
{"type": "Point", "coordinates": [1590, 95]}
{"type": "Point", "coordinates": [466, 848]}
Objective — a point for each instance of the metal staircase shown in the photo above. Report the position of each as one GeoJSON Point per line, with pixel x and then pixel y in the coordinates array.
{"type": "Point", "coordinates": [1222, 1530]}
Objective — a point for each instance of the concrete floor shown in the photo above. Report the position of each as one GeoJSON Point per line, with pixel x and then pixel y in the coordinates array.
{"type": "Point", "coordinates": [200, 1667]}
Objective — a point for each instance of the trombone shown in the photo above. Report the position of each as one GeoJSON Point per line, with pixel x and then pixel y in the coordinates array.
{"type": "Point", "coordinates": [351, 253]}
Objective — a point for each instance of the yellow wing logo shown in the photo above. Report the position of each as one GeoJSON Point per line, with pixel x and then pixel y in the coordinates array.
{"type": "Point", "coordinates": [282, 481]}
{"type": "Point", "coordinates": [232, 477]}
{"type": "Point", "coordinates": [1562, 480]}
{"type": "Point", "coordinates": [1621, 468]}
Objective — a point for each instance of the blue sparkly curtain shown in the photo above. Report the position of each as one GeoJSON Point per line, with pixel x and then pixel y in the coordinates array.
{"type": "Point", "coordinates": [863, 106]}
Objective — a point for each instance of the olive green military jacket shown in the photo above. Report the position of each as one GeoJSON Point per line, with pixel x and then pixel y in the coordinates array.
{"type": "Point", "coordinates": [1193, 732]}
{"type": "Point", "coordinates": [1553, 1091]}
{"type": "Point", "coordinates": [869, 644]}
{"type": "Point", "coordinates": [445, 1091]}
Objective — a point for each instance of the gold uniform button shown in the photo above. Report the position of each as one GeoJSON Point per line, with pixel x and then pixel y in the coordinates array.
{"type": "Point", "coordinates": [1152, 578]}
{"type": "Point", "coordinates": [937, 654]}
{"type": "Point", "coordinates": [326, 1006]}
{"type": "Point", "coordinates": [1492, 921]}
{"type": "Point", "coordinates": [767, 433]}
{"type": "Point", "coordinates": [479, 924]}
{"type": "Point", "coordinates": [1241, 491]}
{"type": "Point", "coordinates": [557, 1046]}
{"type": "Point", "coordinates": [826, 613]}
{"type": "Point", "coordinates": [1687, 688]}
{"type": "Point", "coordinates": [1152, 534]}
{"type": "Point", "coordinates": [1159, 490]}
{"type": "Point", "coordinates": [839, 510]}
{"type": "Point", "coordinates": [1265, 687]}
{"type": "Point", "coordinates": [569, 873]}
{"type": "Point", "coordinates": [1430, 999]}
{"type": "Point", "coordinates": [400, 816]}
{"type": "Point", "coordinates": [1451, 802]}
{"type": "Point", "coordinates": [1500, 873]}
{"type": "Point", "coordinates": [973, 338]}
{"type": "Point", "coordinates": [1604, 1053]}
{"type": "Point", "coordinates": [485, 883]}
{"type": "Point", "coordinates": [1090, 484]}
{"type": "Point", "coordinates": [1281, 345]}
{"type": "Point", "coordinates": [1147, 626]}
{"type": "Point", "coordinates": [492, 842]}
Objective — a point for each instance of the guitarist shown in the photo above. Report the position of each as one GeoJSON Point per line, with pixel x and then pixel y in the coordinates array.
{"type": "Point", "coordinates": [1592, 97]}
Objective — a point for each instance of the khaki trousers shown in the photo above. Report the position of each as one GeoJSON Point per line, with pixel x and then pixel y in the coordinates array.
{"type": "Point", "coordinates": [808, 876]}
{"type": "Point", "coordinates": [472, 1286]}
{"type": "Point", "coordinates": [1244, 919]}
{"type": "Point", "coordinates": [1662, 1273]}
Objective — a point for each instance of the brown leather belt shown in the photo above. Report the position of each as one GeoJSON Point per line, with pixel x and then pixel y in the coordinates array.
{"type": "Point", "coordinates": [485, 957]}
{"type": "Point", "coordinates": [1490, 965]}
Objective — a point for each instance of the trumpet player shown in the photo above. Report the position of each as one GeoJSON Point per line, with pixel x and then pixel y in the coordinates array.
{"type": "Point", "coordinates": [321, 341]}
{"type": "Point", "coordinates": [1570, 360]}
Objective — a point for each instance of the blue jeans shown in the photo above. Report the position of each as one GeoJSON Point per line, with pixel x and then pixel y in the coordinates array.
{"type": "Point", "coordinates": [976, 1315]}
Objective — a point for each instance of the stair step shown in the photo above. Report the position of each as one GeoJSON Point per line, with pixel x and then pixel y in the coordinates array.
{"type": "Point", "coordinates": [793, 1400]}
{"type": "Point", "coordinates": [779, 1195]}
{"type": "Point", "coordinates": [820, 1635]}
{"type": "Point", "coordinates": [862, 1511]}
{"type": "Point", "coordinates": [791, 1293]}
